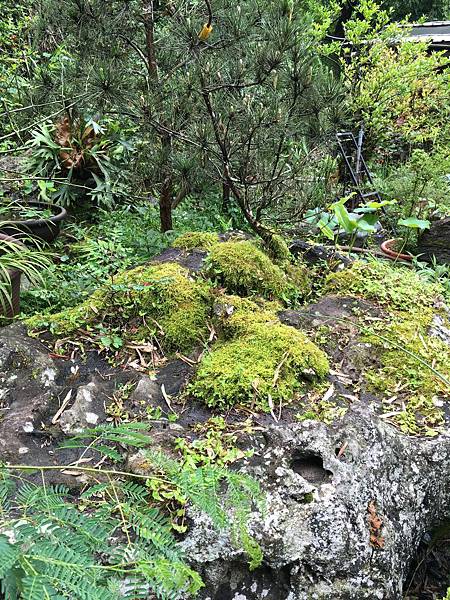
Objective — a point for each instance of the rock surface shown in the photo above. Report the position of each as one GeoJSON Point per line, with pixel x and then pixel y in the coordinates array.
{"type": "Point", "coordinates": [435, 242]}
{"type": "Point", "coordinates": [346, 509]}
{"type": "Point", "coordinates": [347, 503]}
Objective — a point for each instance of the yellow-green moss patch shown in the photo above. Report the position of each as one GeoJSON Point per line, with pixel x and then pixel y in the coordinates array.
{"type": "Point", "coordinates": [398, 287]}
{"type": "Point", "coordinates": [162, 300]}
{"type": "Point", "coordinates": [413, 392]}
{"type": "Point", "coordinates": [243, 269]}
{"type": "Point", "coordinates": [196, 240]}
{"type": "Point", "coordinates": [266, 363]}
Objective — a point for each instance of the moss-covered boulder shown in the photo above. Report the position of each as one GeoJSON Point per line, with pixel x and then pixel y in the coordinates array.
{"type": "Point", "coordinates": [162, 301]}
{"type": "Point", "coordinates": [409, 365]}
{"type": "Point", "coordinates": [413, 370]}
{"type": "Point", "coordinates": [261, 363]}
{"type": "Point", "coordinates": [196, 240]}
{"type": "Point", "coordinates": [243, 269]}
{"type": "Point", "coordinates": [395, 286]}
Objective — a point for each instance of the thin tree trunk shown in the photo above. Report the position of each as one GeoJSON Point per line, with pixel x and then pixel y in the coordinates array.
{"type": "Point", "coordinates": [165, 205]}
{"type": "Point", "coordinates": [225, 197]}
{"type": "Point", "coordinates": [149, 25]}
{"type": "Point", "coordinates": [165, 198]}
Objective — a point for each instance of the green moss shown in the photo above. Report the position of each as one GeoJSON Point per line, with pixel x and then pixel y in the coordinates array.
{"type": "Point", "coordinates": [267, 363]}
{"type": "Point", "coordinates": [403, 350]}
{"type": "Point", "coordinates": [244, 269]}
{"type": "Point", "coordinates": [200, 240]}
{"type": "Point", "coordinates": [161, 299]}
{"type": "Point", "coordinates": [413, 393]}
{"type": "Point", "coordinates": [234, 315]}
{"type": "Point", "coordinates": [398, 287]}
{"type": "Point", "coordinates": [278, 249]}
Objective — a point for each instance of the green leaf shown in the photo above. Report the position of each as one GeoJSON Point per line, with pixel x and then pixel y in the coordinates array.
{"type": "Point", "coordinates": [414, 223]}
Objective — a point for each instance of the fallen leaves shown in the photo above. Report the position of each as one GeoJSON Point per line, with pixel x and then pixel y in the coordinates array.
{"type": "Point", "coordinates": [375, 526]}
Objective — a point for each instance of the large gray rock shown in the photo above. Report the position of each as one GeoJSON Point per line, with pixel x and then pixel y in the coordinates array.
{"type": "Point", "coordinates": [346, 509]}
{"type": "Point", "coordinates": [435, 242]}
{"type": "Point", "coordinates": [27, 391]}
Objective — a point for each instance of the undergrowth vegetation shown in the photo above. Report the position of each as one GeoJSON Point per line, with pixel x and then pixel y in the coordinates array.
{"type": "Point", "coordinates": [190, 153]}
{"type": "Point", "coordinates": [113, 541]}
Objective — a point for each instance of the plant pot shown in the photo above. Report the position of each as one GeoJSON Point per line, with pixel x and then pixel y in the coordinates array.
{"type": "Point", "coordinates": [12, 308]}
{"type": "Point", "coordinates": [46, 229]}
{"type": "Point", "coordinates": [388, 247]}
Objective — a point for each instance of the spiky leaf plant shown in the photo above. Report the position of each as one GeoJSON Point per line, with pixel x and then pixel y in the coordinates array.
{"type": "Point", "coordinates": [15, 256]}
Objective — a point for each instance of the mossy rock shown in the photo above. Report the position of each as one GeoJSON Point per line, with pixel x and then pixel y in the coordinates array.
{"type": "Point", "coordinates": [263, 362]}
{"type": "Point", "coordinates": [409, 360]}
{"type": "Point", "coordinates": [395, 286]}
{"type": "Point", "coordinates": [406, 362]}
{"type": "Point", "coordinates": [164, 299]}
{"type": "Point", "coordinates": [243, 269]}
{"type": "Point", "coordinates": [233, 315]}
{"type": "Point", "coordinates": [196, 240]}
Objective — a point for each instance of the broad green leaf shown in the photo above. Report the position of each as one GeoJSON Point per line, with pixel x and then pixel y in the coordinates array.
{"type": "Point", "coordinates": [414, 223]}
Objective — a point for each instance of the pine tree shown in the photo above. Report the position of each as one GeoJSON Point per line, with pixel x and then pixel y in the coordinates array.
{"type": "Point", "coordinates": [224, 94]}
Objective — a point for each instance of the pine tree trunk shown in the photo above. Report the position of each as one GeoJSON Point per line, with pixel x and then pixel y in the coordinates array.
{"type": "Point", "coordinates": [149, 22]}
{"type": "Point", "coordinates": [225, 197]}
{"type": "Point", "coordinates": [165, 205]}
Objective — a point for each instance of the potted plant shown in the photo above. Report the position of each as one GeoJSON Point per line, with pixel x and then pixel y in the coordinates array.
{"type": "Point", "coordinates": [394, 248]}
{"type": "Point", "coordinates": [17, 259]}
{"type": "Point", "coordinates": [35, 219]}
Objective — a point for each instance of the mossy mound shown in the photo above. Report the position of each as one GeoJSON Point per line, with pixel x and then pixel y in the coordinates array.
{"type": "Point", "coordinates": [243, 269]}
{"type": "Point", "coordinates": [398, 287]}
{"type": "Point", "coordinates": [263, 362]}
{"type": "Point", "coordinates": [407, 361]}
{"type": "Point", "coordinates": [161, 300]}
{"type": "Point", "coordinates": [411, 361]}
{"type": "Point", "coordinates": [233, 313]}
{"type": "Point", "coordinates": [196, 240]}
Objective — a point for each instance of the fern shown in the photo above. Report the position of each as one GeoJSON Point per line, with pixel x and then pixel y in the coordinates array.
{"type": "Point", "coordinates": [202, 486]}
{"type": "Point", "coordinates": [110, 542]}
{"type": "Point", "coordinates": [127, 435]}
{"type": "Point", "coordinates": [90, 552]}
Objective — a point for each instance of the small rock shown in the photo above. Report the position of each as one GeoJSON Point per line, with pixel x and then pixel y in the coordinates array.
{"type": "Point", "coordinates": [81, 415]}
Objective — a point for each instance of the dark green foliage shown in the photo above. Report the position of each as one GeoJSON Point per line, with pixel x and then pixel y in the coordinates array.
{"type": "Point", "coordinates": [202, 486]}
{"type": "Point", "coordinates": [104, 549]}
{"type": "Point", "coordinates": [247, 113]}
{"type": "Point", "coordinates": [123, 238]}
{"type": "Point", "coordinates": [113, 542]}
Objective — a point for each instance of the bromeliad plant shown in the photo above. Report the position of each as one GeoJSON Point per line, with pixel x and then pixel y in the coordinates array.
{"type": "Point", "coordinates": [77, 154]}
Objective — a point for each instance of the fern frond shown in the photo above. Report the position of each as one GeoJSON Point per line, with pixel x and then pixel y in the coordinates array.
{"type": "Point", "coordinates": [8, 555]}
{"type": "Point", "coordinates": [172, 580]}
{"type": "Point", "coordinates": [6, 486]}
{"type": "Point", "coordinates": [134, 491]}
{"type": "Point", "coordinates": [201, 486]}
{"type": "Point", "coordinates": [41, 498]}
{"type": "Point", "coordinates": [152, 526]}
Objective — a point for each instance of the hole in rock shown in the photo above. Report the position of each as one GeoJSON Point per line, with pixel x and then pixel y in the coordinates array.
{"type": "Point", "coordinates": [310, 467]}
